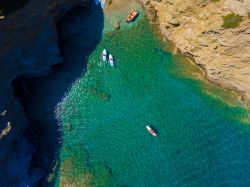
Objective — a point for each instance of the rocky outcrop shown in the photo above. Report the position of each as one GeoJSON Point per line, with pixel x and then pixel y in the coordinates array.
{"type": "Point", "coordinates": [5, 131]}
{"type": "Point", "coordinates": [194, 26]}
{"type": "Point", "coordinates": [28, 47]}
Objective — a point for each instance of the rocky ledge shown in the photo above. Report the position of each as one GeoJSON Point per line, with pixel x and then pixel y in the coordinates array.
{"type": "Point", "coordinates": [195, 27]}
{"type": "Point", "coordinates": [28, 47]}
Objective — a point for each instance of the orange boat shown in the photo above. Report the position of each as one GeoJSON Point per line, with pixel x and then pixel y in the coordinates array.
{"type": "Point", "coordinates": [132, 14]}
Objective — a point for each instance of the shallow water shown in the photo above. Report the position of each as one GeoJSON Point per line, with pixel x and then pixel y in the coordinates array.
{"type": "Point", "coordinates": [202, 141]}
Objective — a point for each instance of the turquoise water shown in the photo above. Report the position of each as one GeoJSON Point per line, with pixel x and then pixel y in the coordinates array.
{"type": "Point", "coordinates": [202, 141]}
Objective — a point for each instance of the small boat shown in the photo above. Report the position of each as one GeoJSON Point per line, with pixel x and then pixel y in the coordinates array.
{"type": "Point", "coordinates": [104, 55]}
{"type": "Point", "coordinates": [151, 130]}
{"type": "Point", "coordinates": [132, 15]}
{"type": "Point", "coordinates": [111, 60]}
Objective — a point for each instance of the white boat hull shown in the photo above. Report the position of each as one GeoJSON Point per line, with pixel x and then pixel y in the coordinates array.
{"type": "Point", "coordinates": [104, 55]}
{"type": "Point", "coordinates": [111, 60]}
{"type": "Point", "coordinates": [151, 131]}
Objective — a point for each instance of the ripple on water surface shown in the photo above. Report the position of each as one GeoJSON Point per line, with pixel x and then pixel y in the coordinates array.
{"type": "Point", "coordinates": [106, 110]}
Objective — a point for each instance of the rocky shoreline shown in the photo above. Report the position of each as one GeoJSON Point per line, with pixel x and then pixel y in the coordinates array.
{"type": "Point", "coordinates": [195, 28]}
{"type": "Point", "coordinates": [29, 48]}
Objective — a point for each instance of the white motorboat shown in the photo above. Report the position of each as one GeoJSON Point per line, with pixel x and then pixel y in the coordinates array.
{"type": "Point", "coordinates": [111, 60]}
{"type": "Point", "coordinates": [151, 131]}
{"type": "Point", "coordinates": [104, 55]}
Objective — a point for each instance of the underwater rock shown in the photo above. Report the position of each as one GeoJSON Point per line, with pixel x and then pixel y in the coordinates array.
{"type": "Point", "coordinates": [117, 25]}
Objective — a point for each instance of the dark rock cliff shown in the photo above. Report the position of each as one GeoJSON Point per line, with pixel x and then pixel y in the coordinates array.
{"type": "Point", "coordinates": [28, 48]}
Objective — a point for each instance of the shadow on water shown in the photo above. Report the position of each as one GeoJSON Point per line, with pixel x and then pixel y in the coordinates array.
{"type": "Point", "coordinates": [153, 127]}
{"type": "Point", "coordinates": [156, 131]}
{"type": "Point", "coordinates": [79, 32]}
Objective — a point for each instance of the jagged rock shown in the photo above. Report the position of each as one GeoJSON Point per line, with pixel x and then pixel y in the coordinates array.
{"type": "Point", "coordinates": [150, 10]}
{"type": "Point", "coordinates": [247, 31]}
{"type": "Point", "coordinates": [5, 131]}
{"type": "Point", "coordinates": [174, 22]}
{"type": "Point", "coordinates": [224, 50]}
{"type": "Point", "coordinates": [117, 25]}
{"type": "Point", "coordinates": [28, 47]}
{"type": "Point", "coordinates": [239, 7]}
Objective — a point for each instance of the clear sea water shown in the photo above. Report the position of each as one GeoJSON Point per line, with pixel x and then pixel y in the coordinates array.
{"type": "Point", "coordinates": [203, 141]}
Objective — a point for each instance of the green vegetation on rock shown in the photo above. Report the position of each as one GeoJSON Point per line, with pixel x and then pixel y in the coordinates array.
{"type": "Point", "coordinates": [248, 15]}
{"type": "Point", "coordinates": [109, 2]}
{"type": "Point", "coordinates": [231, 21]}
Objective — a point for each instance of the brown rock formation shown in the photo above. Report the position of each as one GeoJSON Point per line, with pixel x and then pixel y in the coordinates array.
{"type": "Point", "coordinates": [194, 26]}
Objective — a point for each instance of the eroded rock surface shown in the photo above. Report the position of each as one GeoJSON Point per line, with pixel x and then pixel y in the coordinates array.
{"type": "Point", "coordinates": [28, 47]}
{"type": "Point", "coordinates": [194, 26]}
